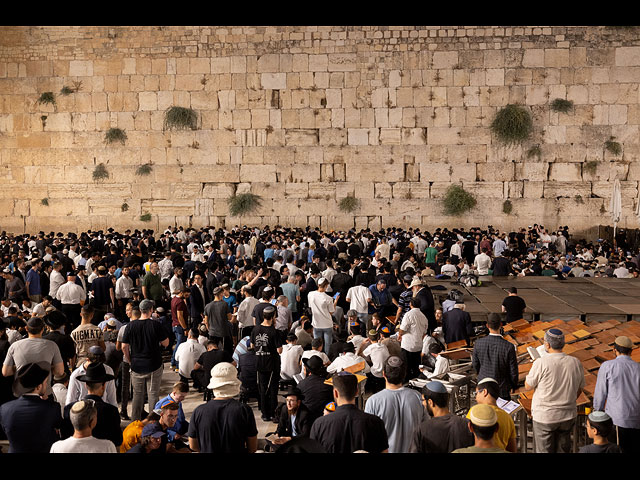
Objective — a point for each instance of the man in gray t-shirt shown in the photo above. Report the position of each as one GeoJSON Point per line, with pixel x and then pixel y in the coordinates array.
{"type": "Point", "coordinates": [217, 318]}
{"type": "Point", "coordinates": [34, 349]}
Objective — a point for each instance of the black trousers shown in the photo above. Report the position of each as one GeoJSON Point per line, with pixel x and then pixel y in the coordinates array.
{"type": "Point", "coordinates": [72, 312]}
{"type": "Point", "coordinates": [412, 360]}
{"type": "Point", "coordinates": [268, 391]}
{"type": "Point", "coordinates": [627, 438]}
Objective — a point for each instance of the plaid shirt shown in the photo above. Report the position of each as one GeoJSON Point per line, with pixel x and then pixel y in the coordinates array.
{"type": "Point", "coordinates": [495, 357]}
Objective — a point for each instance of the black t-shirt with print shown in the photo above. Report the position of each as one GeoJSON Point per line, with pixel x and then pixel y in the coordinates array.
{"type": "Point", "coordinates": [144, 337]}
{"type": "Point", "coordinates": [266, 343]}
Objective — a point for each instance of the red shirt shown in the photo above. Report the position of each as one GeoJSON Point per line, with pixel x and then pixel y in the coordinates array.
{"type": "Point", "coordinates": [178, 305]}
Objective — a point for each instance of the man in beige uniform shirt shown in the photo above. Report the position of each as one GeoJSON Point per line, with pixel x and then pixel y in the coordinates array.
{"type": "Point", "coordinates": [558, 379]}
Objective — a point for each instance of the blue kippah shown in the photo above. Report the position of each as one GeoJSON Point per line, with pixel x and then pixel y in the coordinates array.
{"type": "Point", "coordinates": [436, 387]}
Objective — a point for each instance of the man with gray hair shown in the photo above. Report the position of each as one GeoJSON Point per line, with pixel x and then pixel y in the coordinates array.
{"type": "Point", "coordinates": [84, 417]}
{"type": "Point", "coordinates": [558, 380]}
{"type": "Point", "coordinates": [141, 345]}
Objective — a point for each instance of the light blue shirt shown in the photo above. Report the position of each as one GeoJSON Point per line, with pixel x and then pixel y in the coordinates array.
{"type": "Point", "coordinates": [618, 391]}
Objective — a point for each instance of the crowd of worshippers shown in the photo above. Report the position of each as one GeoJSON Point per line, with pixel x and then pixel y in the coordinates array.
{"type": "Point", "coordinates": [240, 314]}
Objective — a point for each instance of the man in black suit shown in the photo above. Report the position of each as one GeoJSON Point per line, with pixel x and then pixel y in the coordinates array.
{"type": "Point", "coordinates": [108, 426]}
{"type": "Point", "coordinates": [198, 299]}
{"type": "Point", "coordinates": [316, 393]}
{"type": "Point", "coordinates": [495, 357]}
{"type": "Point", "coordinates": [427, 307]}
{"type": "Point", "coordinates": [31, 424]}
{"type": "Point", "coordinates": [456, 324]}
{"type": "Point", "coordinates": [295, 419]}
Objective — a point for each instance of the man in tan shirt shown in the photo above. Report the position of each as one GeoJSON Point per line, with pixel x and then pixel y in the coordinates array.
{"type": "Point", "coordinates": [86, 335]}
{"type": "Point", "coordinates": [558, 380]}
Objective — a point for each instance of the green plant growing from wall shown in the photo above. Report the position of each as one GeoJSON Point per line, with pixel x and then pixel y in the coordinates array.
{"type": "Point", "coordinates": [512, 124]}
{"type": "Point", "coordinates": [144, 169]}
{"type": "Point", "coordinates": [100, 172]}
{"type": "Point", "coordinates": [561, 105]}
{"type": "Point", "coordinates": [349, 204]}
{"type": "Point", "coordinates": [590, 167]}
{"type": "Point", "coordinates": [45, 202]}
{"type": "Point", "coordinates": [507, 207]}
{"type": "Point", "coordinates": [47, 98]}
{"type": "Point", "coordinates": [612, 146]}
{"type": "Point", "coordinates": [534, 151]}
{"type": "Point", "coordinates": [456, 201]}
{"type": "Point", "coordinates": [180, 118]}
{"type": "Point", "coordinates": [124, 207]}
{"type": "Point", "coordinates": [66, 91]}
{"type": "Point", "coordinates": [145, 217]}
{"type": "Point", "coordinates": [243, 204]}
{"type": "Point", "coordinates": [578, 199]}
{"type": "Point", "coordinates": [115, 135]}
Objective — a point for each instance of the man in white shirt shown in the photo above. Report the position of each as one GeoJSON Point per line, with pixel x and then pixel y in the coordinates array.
{"type": "Point", "coordinates": [411, 332]}
{"type": "Point", "coordinates": [442, 363]}
{"type": "Point", "coordinates": [188, 354]}
{"type": "Point", "coordinates": [360, 298]}
{"type": "Point", "coordinates": [176, 284]}
{"type": "Point", "coordinates": [165, 266]}
{"type": "Point", "coordinates": [72, 297]}
{"type": "Point", "coordinates": [346, 359]}
{"type": "Point", "coordinates": [84, 418]}
{"type": "Point", "coordinates": [322, 307]}
{"type": "Point", "coordinates": [316, 350]}
{"type": "Point", "coordinates": [482, 262]}
{"type": "Point", "coordinates": [245, 310]}
{"type": "Point", "coordinates": [290, 358]}
{"type": "Point", "coordinates": [56, 280]}
{"type": "Point", "coordinates": [376, 354]}
{"type": "Point", "coordinates": [124, 285]}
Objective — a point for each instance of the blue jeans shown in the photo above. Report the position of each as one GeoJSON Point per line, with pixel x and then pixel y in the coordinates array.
{"type": "Point", "coordinates": [327, 337]}
{"type": "Point", "coordinates": [178, 331]}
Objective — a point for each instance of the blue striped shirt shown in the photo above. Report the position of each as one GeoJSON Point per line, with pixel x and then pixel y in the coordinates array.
{"type": "Point", "coordinates": [618, 391]}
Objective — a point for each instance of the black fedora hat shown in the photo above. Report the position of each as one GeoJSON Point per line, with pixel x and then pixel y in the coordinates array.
{"type": "Point", "coordinates": [28, 377]}
{"type": "Point", "coordinates": [55, 319]}
{"type": "Point", "coordinates": [314, 364]}
{"type": "Point", "coordinates": [295, 391]}
{"type": "Point", "coordinates": [95, 373]}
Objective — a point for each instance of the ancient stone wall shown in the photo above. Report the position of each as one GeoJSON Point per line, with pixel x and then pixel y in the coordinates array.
{"type": "Point", "coordinates": [305, 116]}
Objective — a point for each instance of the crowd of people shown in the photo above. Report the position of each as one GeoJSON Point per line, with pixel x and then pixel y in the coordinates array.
{"type": "Point", "coordinates": [90, 319]}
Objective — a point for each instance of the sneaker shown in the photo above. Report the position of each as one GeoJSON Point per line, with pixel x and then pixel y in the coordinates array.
{"type": "Point", "coordinates": [124, 416]}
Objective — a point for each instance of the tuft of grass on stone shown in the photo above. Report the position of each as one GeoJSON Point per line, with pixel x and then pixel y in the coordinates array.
{"type": "Point", "coordinates": [457, 201]}
{"type": "Point", "coordinates": [100, 172]}
{"type": "Point", "coordinates": [561, 105]}
{"type": "Point", "coordinates": [66, 91]}
{"type": "Point", "coordinates": [590, 167]}
{"type": "Point", "coordinates": [145, 217]}
{"type": "Point", "coordinates": [534, 151]}
{"type": "Point", "coordinates": [45, 202]}
{"type": "Point", "coordinates": [349, 204]}
{"type": "Point", "coordinates": [243, 204]}
{"type": "Point", "coordinates": [180, 118]}
{"type": "Point", "coordinates": [124, 207]}
{"type": "Point", "coordinates": [507, 207]}
{"type": "Point", "coordinates": [612, 146]}
{"type": "Point", "coordinates": [47, 98]}
{"type": "Point", "coordinates": [512, 124]}
{"type": "Point", "coordinates": [145, 169]}
{"type": "Point", "coordinates": [115, 135]}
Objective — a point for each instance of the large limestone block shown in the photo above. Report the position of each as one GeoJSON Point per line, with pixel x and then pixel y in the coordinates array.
{"type": "Point", "coordinates": [375, 172]}
{"type": "Point", "coordinates": [218, 190]}
{"type": "Point", "coordinates": [326, 190]}
{"type": "Point", "coordinates": [273, 81]}
{"type": "Point", "coordinates": [495, 171]}
{"type": "Point", "coordinates": [213, 173]}
{"type": "Point", "coordinates": [484, 189]}
{"type": "Point", "coordinates": [556, 189]}
{"type": "Point", "coordinates": [442, 136]}
{"type": "Point", "coordinates": [628, 189]}
{"type": "Point", "coordinates": [302, 137]}
{"type": "Point", "coordinates": [565, 172]}
{"type": "Point", "coordinates": [362, 136]}
{"type": "Point", "coordinates": [627, 56]}
{"type": "Point", "coordinates": [532, 171]}
{"type": "Point", "coordinates": [59, 207]}
{"type": "Point", "coordinates": [253, 173]}
{"type": "Point", "coordinates": [408, 190]}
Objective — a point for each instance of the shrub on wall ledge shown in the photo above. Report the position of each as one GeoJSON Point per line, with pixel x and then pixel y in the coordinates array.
{"type": "Point", "coordinates": [243, 204]}
{"type": "Point", "coordinates": [124, 207]}
{"type": "Point", "coordinates": [47, 98]}
{"type": "Point", "coordinates": [45, 202]}
{"type": "Point", "coordinates": [144, 169]}
{"type": "Point", "coordinates": [507, 207]}
{"type": "Point", "coordinates": [512, 124]}
{"type": "Point", "coordinates": [349, 204]}
{"type": "Point", "coordinates": [612, 146]}
{"type": "Point", "coordinates": [457, 200]}
{"type": "Point", "coordinates": [180, 118]}
{"type": "Point", "coordinates": [561, 105]}
{"type": "Point", "coordinates": [100, 172]}
{"type": "Point", "coordinates": [115, 135]}
{"type": "Point", "coordinates": [146, 217]}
